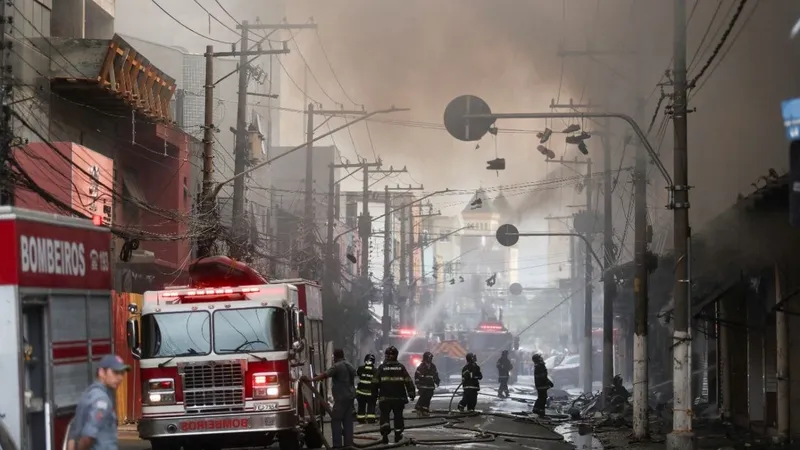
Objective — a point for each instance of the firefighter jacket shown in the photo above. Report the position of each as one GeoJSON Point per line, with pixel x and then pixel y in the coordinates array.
{"type": "Point", "coordinates": [426, 376]}
{"type": "Point", "coordinates": [504, 367]}
{"type": "Point", "coordinates": [540, 378]}
{"type": "Point", "coordinates": [471, 376]}
{"type": "Point", "coordinates": [366, 375]}
{"type": "Point", "coordinates": [392, 382]}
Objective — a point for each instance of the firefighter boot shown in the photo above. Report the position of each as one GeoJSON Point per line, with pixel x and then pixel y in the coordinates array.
{"type": "Point", "coordinates": [385, 439]}
{"type": "Point", "coordinates": [398, 436]}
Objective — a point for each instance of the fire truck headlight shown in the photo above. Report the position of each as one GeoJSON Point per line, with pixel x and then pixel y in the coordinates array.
{"type": "Point", "coordinates": [161, 399]}
{"type": "Point", "coordinates": [160, 391]}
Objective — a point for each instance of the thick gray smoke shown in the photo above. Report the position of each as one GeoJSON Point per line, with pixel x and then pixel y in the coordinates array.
{"type": "Point", "coordinates": [421, 54]}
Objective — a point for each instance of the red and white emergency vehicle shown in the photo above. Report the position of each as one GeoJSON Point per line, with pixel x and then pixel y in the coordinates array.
{"type": "Point", "coordinates": [410, 344]}
{"type": "Point", "coordinates": [55, 320]}
{"type": "Point", "coordinates": [221, 360]}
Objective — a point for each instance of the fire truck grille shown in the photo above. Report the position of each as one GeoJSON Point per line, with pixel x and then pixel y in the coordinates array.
{"type": "Point", "coordinates": [213, 386]}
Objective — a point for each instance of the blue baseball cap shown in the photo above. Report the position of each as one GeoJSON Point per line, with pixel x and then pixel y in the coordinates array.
{"type": "Point", "coordinates": [113, 362]}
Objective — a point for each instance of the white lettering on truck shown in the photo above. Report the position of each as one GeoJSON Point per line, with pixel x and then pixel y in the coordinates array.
{"type": "Point", "coordinates": [51, 256]}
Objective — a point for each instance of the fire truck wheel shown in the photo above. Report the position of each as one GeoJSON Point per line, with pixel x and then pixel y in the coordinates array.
{"type": "Point", "coordinates": [312, 438]}
{"type": "Point", "coordinates": [288, 440]}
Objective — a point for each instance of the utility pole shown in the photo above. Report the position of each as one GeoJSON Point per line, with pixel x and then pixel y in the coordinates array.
{"type": "Point", "coordinates": [366, 227]}
{"type": "Point", "coordinates": [681, 436]}
{"type": "Point", "coordinates": [388, 284]}
{"type": "Point", "coordinates": [584, 223]}
{"type": "Point", "coordinates": [332, 264]}
{"type": "Point", "coordinates": [641, 389]}
{"type": "Point", "coordinates": [204, 244]}
{"type": "Point", "coordinates": [404, 288]}
{"type": "Point", "coordinates": [417, 284]}
{"type": "Point", "coordinates": [207, 201]}
{"type": "Point", "coordinates": [240, 149]}
{"type": "Point", "coordinates": [307, 268]}
{"type": "Point", "coordinates": [576, 275]}
{"type": "Point", "coordinates": [609, 286]}
{"type": "Point", "coordinates": [586, 355]}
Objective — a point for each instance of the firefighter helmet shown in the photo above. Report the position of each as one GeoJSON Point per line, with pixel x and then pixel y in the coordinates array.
{"type": "Point", "coordinates": [391, 353]}
{"type": "Point", "coordinates": [504, 353]}
{"type": "Point", "coordinates": [537, 358]}
{"type": "Point", "coordinates": [369, 359]}
{"type": "Point", "coordinates": [471, 358]}
{"type": "Point", "coordinates": [427, 357]}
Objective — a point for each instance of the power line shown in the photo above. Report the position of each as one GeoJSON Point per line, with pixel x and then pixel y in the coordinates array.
{"type": "Point", "coordinates": [721, 42]}
{"type": "Point", "coordinates": [214, 17]}
{"type": "Point", "coordinates": [188, 27]}
{"type": "Point", "coordinates": [725, 53]}
{"type": "Point", "coordinates": [333, 72]}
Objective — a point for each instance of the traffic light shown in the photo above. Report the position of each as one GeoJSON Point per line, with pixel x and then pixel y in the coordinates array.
{"type": "Point", "coordinates": [496, 164]}
{"type": "Point", "coordinates": [794, 185]}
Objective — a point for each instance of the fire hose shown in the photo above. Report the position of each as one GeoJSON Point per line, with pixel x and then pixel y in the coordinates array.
{"type": "Point", "coordinates": [447, 419]}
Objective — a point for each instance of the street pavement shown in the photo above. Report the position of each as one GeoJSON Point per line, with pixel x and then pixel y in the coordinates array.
{"type": "Point", "coordinates": [500, 427]}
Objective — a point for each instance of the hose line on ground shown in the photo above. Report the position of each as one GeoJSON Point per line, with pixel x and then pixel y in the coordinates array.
{"type": "Point", "coordinates": [446, 419]}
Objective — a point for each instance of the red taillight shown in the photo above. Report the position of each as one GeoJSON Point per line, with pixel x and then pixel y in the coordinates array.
{"type": "Point", "coordinates": [266, 385]}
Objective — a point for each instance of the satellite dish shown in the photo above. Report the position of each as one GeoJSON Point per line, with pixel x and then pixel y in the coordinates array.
{"type": "Point", "coordinates": [507, 235]}
{"type": "Point", "coordinates": [515, 289]}
{"type": "Point", "coordinates": [464, 129]}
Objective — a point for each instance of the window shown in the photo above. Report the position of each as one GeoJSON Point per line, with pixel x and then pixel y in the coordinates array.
{"type": "Point", "coordinates": [250, 330]}
{"type": "Point", "coordinates": [176, 334]}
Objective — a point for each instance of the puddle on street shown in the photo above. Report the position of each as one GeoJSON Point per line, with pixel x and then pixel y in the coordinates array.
{"type": "Point", "coordinates": [577, 437]}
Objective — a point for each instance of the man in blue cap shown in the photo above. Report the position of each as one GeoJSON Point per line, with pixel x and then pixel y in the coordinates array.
{"type": "Point", "coordinates": [95, 424]}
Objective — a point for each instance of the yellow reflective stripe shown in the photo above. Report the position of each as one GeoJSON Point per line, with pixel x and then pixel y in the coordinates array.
{"type": "Point", "coordinates": [365, 382]}
{"type": "Point", "coordinates": [367, 393]}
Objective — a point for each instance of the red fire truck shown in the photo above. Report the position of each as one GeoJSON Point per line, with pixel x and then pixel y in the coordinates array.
{"type": "Point", "coordinates": [411, 346]}
{"type": "Point", "coordinates": [221, 360]}
{"type": "Point", "coordinates": [487, 341]}
{"type": "Point", "coordinates": [55, 320]}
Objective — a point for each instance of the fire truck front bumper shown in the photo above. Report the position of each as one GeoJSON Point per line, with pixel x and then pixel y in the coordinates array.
{"type": "Point", "coordinates": [215, 424]}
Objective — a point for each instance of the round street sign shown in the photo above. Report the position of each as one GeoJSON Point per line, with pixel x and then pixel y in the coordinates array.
{"type": "Point", "coordinates": [507, 235]}
{"type": "Point", "coordinates": [515, 289]}
{"type": "Point", "coordinates": [462, 128]}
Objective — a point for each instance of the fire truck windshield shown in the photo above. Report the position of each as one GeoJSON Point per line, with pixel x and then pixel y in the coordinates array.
{"type": "Point", "coordinates": [410, 345]}
{"type": "Point", "coordinates": [176, 334]}
{"type": "Point", "coordinates": [491, 341]}
{"type": "Point", "coordinates": [250, 330]}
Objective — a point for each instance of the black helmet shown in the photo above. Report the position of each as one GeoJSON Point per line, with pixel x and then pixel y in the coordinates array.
{"type": "Point", "coordinates": [369, 359]}
{"type": "Point", "coordinates": [391, 353]}
{"type": "Point", "coordinates": [504, 353]}
{"type": "Point", "coordinates": [537, 358]}
{"type": "Point", "coordinates": [617, 381]}
{"type": "Point", "coordinates": [427, 357]}
{"type": "Point", "coordinates": [471, 358]}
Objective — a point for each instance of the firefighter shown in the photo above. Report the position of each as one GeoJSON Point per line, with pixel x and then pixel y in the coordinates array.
{"type": "Point", "coordinates": [504, 368]}
{"type": "Point", "coordinates": [470, 383]}
{"type": "Point", "coordinates": [364, 395]}
{"type": "Point", "coordinates": [427, 380]}
{"type": "Point", "coordinates": [393, 387]}
{"type": "Point", "coordinates": [542, 383]}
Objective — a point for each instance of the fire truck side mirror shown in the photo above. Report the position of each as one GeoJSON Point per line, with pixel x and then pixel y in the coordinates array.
{"type": "Point", "coordinates": [300, 325]}
{"type": "Point", "coordinates": [132, 331]}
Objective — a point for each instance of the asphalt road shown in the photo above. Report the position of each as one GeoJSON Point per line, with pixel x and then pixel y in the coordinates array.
{"type": "Point", "coordinates": [505, 432]}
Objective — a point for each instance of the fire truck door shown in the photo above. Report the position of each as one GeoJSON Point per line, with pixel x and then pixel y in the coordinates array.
{"type": "Point", "coordinates": [34, 344]}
